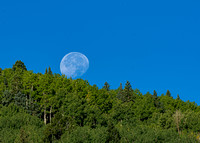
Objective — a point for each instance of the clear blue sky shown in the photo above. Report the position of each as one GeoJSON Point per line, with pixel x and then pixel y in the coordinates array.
{"type": "Point", "coordinates": [153, 44]}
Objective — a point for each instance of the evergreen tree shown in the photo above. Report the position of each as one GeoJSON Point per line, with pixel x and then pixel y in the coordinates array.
{"type": "Point", "coordinates": [120, 94]}
{"type": "Point", "coordinates": [7, 98]}
{"type": "Point", "coordinates": [46, 71]}
{"type": "Point", "coordinates": [178, 97]}
{"type": "Point", "coordinates": [76, 111]}
{"type": "Point", "coordinates": [168, 93]}
{"type": "Point", "coordinates": [155, 95]}
{"type": "Point", "coordinates": [50, 72]}
{"type": "Point", "coordinates": [21, 100]}
{"type": "Point", "coordinates": [20, 65]}
{"type": "Point", "coordinates": [106, 86]}
{"type": "Point", "coordinates": [128, 91]}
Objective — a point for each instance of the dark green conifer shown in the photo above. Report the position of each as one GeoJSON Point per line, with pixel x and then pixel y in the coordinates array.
{"type": "Point", "coordinates": [168, 93]}
{"type": "Point", "coordinates": [178, 97]}
{"type": "Point", "coordinates": [20, 99]}
{"type": "Point", "coordinates": [50, 72]}
{"type": "Point", "coordinates": [128, 91]}
{"type": "Point", "coordinates": [106, 86]}
{"type": "Point", "coordinates": [120, 94]}
{"type": "Point", "coordinates": [155, 95]}
{"type": "Point", "coordinates": [20, 65]}
{"type": "Point", "coordinates": [113, 134]}
{"type": "Point", "coordinates": [7, 98]}
{"type": "Point", "coordinates": [46, 71]}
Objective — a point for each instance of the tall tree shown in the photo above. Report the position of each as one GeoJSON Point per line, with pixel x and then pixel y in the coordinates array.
{"type": "Point", "coordinates": [178, 116]}
{"type": "Point", "coordinates": [19, 64]}
{"type": "Point", "coordinates": [16, 81]}
{"type": "Point", "coordinates": [128, 91]}
{"type": "Point", "coordinates": [46, 71]}
{"type": "Point", "coordinates": [106, 86]}
{"type": "Point", "coordinates": [168, 93]}
{"type": "Point", "coordinates": [120, 94]}
{"type": "Point", "coordinates": [50, 72]}
{"type": "Point", "coordinates": [155, 95]}
{"type": "Point", "coordinates": [178, 97]}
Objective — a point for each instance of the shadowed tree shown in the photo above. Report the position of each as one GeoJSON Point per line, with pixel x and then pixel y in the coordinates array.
{"type": "Point", "coordinates": [7, 98]}
{"type": "Point", "coordinates": [106, 86]}
{"type": "Point", "coordinates": [113, 134]}
{"type": "Point", "coordinates": [6, 82]}
{"type": "Point", "coordinates": [155, 95]}
{"type": "Point", "coordinates": [120, 94]}
{"type": "Point", "coordinates": [50, 72]}
{"type": "Point", "coordinates": [46, 71]}
{"type": "Point", "coordinates": [178, 97]}
{"type": "Point", "coordinates": [128, 91]}
{"type": "Point", "coordinates": [20, 99]}
{"type": "Point", "coordinates": [168, 93]}
{"type": "Point", "coordinates": [19, 64]}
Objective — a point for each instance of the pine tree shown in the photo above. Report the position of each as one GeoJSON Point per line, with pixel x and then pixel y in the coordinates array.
{"type": "Point", "coordinates": [20, 65]}
{"type": "Point", "coordinates": [128, 91]}
{"type": "Point", "coordinates": [168, 93]}
{"type": "Point", "coordinates": [46, 71]}
{"type": "Point", "coordinates": [50, 72]}
{"type": "Point", "coordinates": [106, 86]}
{"type": "Point", "coordinates": [178, 97]}
{"type": "Point", "coordinates": [120, 94]}
{"type": "Point", "coordinates": [155, 95]}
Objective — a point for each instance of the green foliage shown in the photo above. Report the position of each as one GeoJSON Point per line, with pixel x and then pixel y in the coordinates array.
{"type": "Point", "coordinates": [7, 98]}
{"type": "Point", "coordinates": [128, 92]}
{"type": "Point", "coordinates": [20, 65]}
{"type": "Point", "coordinates": [113, 134]}
{"type": "Point", "coordinates": [106, 86]}
{"type": "Point", "coordinates": [14, 122]}
{"type": "Point", "coordinates": [85, 134]}
{"type": "Point", "coordinates": [59, 125]}
{"type": "Point", "coordinates": [143, 134]}
{"type": "Point", "coordinates": [52, 108]}
{"type": "Point", "coordinates": [168, 93]}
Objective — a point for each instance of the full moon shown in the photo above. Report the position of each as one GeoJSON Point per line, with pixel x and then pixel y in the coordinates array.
{"type": "Point", "coordinates": [74, 64]}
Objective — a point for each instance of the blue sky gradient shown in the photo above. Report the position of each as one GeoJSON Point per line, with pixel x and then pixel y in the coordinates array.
{"type": "Point", "coordinates": [153, 44]}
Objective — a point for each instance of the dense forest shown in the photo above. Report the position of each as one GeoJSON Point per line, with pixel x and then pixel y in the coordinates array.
{"type": "Point", "coordinates": [37, 108]}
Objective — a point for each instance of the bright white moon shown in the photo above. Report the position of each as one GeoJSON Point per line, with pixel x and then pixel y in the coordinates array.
{"type": "Point", "coordinates": [74, 64]}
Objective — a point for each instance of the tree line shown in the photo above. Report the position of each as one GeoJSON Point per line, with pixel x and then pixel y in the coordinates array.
{"type": "Point", "coordinates": [52, 108]}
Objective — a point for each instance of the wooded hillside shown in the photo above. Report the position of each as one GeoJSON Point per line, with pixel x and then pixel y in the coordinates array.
{"type": "Point", "coordinates": [53, 108]}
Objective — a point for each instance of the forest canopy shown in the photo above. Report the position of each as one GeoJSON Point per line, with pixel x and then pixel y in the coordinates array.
{"type": "Point", "coordinates": [49, 107]}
